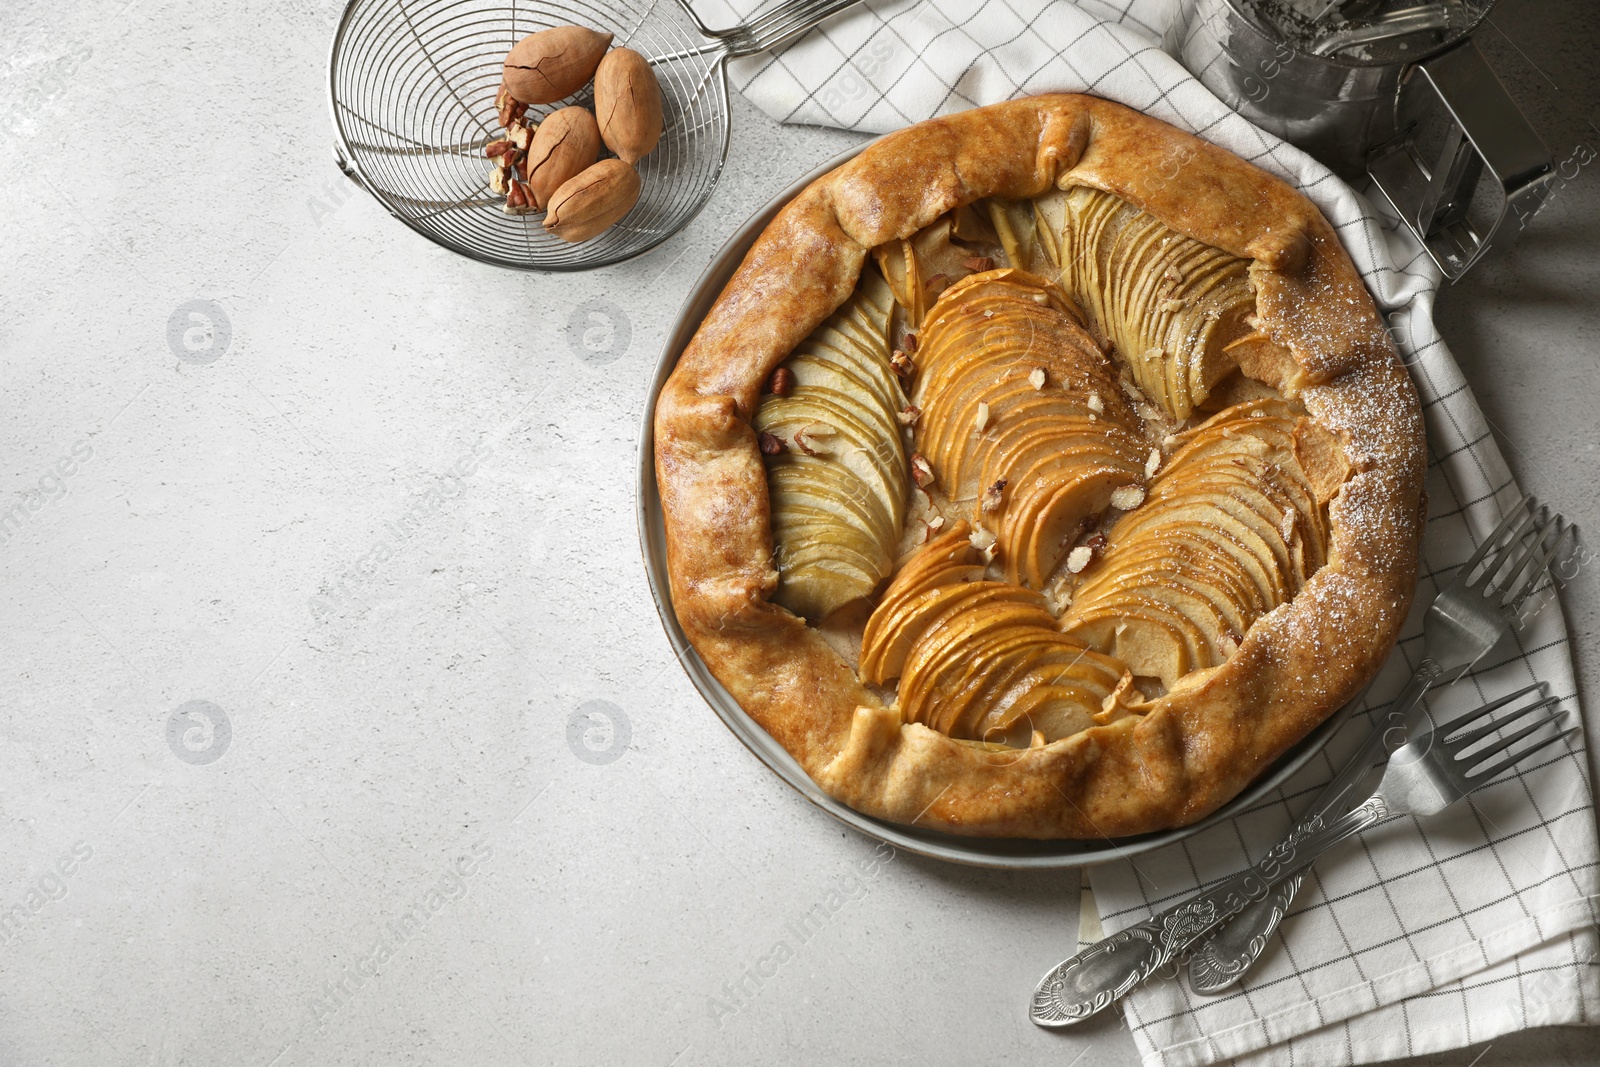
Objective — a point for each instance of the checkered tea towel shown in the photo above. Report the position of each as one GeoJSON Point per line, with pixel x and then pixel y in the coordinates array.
{"type": "Point", "coordinates": [1418, 937]}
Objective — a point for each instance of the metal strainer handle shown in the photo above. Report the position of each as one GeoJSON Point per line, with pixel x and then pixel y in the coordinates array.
{"type": "Point", "coordinates": [780, 25]}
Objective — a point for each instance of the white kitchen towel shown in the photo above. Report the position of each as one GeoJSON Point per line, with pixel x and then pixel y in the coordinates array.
{"type": "Point", "coordinates": [1419, 937]}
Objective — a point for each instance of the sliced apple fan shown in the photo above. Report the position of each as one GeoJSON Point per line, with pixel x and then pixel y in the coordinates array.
{"type": "Point", "coordinates": [983, 660]}
{"type": "Point", "coordinates": [1167, 304]}
{"type": "Point", "coordinates": [1062, 446]}
{"type": "Point", "coordinates": [1028, 428]}
{"type": "Point", "coordinates": [1233, 526]}
{"type": "Point", "coordinates": [838, 489]}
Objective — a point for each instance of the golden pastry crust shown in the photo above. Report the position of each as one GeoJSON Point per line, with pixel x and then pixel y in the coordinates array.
{"type": "Point", "coordinates": [1199, 745]}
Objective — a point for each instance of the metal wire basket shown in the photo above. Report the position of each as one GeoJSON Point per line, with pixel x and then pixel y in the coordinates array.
{"type": "Point", "coordinates": [412, 84]}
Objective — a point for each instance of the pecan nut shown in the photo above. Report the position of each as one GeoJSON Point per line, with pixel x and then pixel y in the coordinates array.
{"type": "Point", "coordinates": [543, 67]}
{"type": "Point", "coordinates": [627, 101]}
{"type": "Point", "coordinates": [588, 204]}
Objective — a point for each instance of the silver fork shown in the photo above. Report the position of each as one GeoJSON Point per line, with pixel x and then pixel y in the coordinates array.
{"type": "Point", "coordinates": [1422, 778]}
{"type": "Point", "coordinates": [1466, 620]}
{"type": "Point", "coordinates": [783, 23]}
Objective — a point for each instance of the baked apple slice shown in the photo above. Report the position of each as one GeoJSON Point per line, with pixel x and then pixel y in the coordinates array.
{"type": "Point", "coordinates": [1232, 527]}
{"type": "Point", "coordinates": [1025, 243]}
{"type": "Point", "coordinates": [1054, 686]}
{"type": "Point", "coordinates": [1169, 305]}
{"type": "Point", "coordinates": [1046, 514]}
{"type": "Point", "coordinates": [921, 267]}
{"type": "Point", "coordinates": [839, 482]}
{"type": "Point", "coordinates": [1003, 667]}
{"type": "Point", "coordinates": [944, 685]}
{"type": "Point", "coordinates": [1017, 411]}
{"type": "Point", "coordinates": [979, 659]}
{"type": "Point", "coordinates": [1151, 640]}
{"type": "Point", "coordinates": [827, 426]}
{"type": "Point", "coordinates": [1024, 419]}
{"type": "Point", "coordinates": [811, 493]}
{"type": "Point", "coordinates": [824, 558]}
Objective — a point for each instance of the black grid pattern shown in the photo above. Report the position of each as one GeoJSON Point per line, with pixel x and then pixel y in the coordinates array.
{"type": "Point", "coordinates": [1416, 938]}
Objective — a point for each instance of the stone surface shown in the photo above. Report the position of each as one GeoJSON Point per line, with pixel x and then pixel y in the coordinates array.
{"type": "Point", "coordinates": [448, 798]}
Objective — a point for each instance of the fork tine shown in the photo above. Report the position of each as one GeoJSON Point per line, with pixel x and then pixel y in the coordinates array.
{"type": "Point", "coordinates": [1501, 744]}
{"type": "Point", "coordinates": [1465, 741]}
{"type": "Point", "coordinates": [1487, 774]}
{"type": "Point", "coordinates": [1513, 514]}
{"type": "Point", "coordinates": [1547, 520]}
{"type": "Point", "coordinates": [1504, 552]}
{"type": "Point", "coordinates": [1448, 729]}
{"type": "Point", "coordinates": [1527, 581]}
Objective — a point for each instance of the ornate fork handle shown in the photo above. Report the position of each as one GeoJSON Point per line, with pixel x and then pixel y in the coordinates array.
{"type": "Point", "coordinates": [1104, 972]}
{"type": "Point", "coordinates": [1231, 951]}
{"type": "Point", "coordinates": [1227, 954]}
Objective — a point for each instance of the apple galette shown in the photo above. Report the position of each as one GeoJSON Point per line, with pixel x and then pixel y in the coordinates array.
{"type": "Point", "coordinates": [1043, 471]}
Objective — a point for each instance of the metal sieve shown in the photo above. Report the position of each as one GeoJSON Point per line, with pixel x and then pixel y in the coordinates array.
{"type": "Point", "coordinates": [1400, 95]}
{"type": "Point", "coordinates": [411, 87]}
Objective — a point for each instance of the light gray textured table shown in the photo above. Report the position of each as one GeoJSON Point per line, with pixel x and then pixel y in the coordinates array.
{"type": "Point", "coordinates": [374, 505]}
